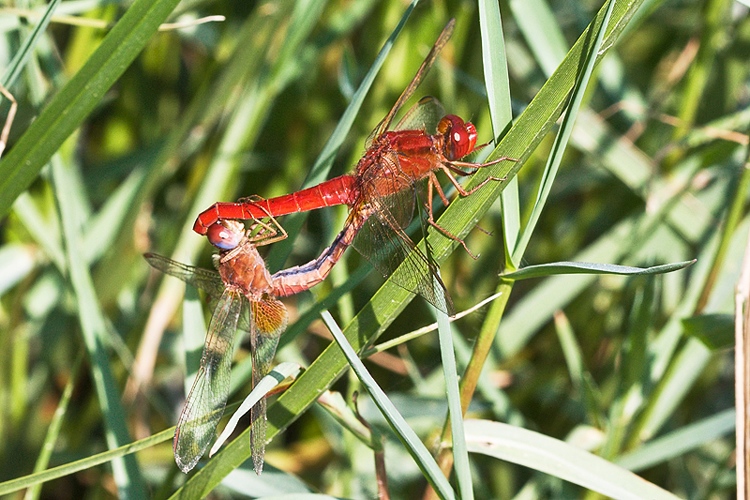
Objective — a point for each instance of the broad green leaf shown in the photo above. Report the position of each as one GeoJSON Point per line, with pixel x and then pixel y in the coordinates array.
{"type": "Point", "coordinates": [557, 458]}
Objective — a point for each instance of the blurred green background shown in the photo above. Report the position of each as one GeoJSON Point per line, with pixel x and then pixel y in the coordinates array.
{"type": "Point", "coordinates": [101, 173]}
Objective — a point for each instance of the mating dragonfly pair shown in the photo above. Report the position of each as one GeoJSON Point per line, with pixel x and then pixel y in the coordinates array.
{"type": "Point", "coordinates": [380, 195]}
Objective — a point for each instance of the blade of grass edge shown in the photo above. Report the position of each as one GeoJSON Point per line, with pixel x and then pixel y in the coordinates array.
{"type": "Point", "coordinates": [20, 483]}
{"type": "Point", "coordinates": [408, 437]}
{"type": "Point", "coordinates": [558, 268]}
{"type": "Point", "coordinates": [561, 141]}
{"type": "Point", "coordinates": [460, 453]}
{"type": "Point", "coordinates": [552, 456]}
{"type": "Point", "coordinates": [497, 83]}
{"type": "Point", "coordinates": [79, 96]}
{"type": "Point", "coordinates": [126, 472]}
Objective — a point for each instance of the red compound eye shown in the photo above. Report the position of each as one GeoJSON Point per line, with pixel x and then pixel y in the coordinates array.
{"type": "Point", "coordinates": [460, 137]}
{"type": "Point", "coordinates": [222, 237]}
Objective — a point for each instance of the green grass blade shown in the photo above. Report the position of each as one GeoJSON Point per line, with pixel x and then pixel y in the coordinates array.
{"type": "Point", "coordinates": [677, 443]}
{"type": "Point", "coordinates": [495, 65]}
{"type": "Point", "coordinates": [127, 475]}
{"type": "Point", "coordinates": [22, 56]}
{"type": "Point", "coordinates": [413, 444]}
{"type": "Point", "coordinates": [557, 268]}
{"type": "Point", "coordinates": [53, 432]}
{"type": "Point", "coordinates": [73, 103]}
{"type": "Point", "coordinates": [85, 463]}
{"type": "Point", "coordinates": [455, 412]}
{"type": "Point", "coordinates": [497, 83]}
{"type": "Point", "coordinates": [559, 459]}
{"type": "Point", "coordinates": [561, 141]}
{"type": "Point", "coordinates": [537, 306]}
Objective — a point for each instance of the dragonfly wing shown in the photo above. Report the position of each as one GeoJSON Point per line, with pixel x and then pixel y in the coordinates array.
{"type": "Point", "coordinates": [384, 185]}
{"type": "Point", "coordinates": [418, 77]}
{"type": "Point", "coordinates": [269, 319]}
{"type": "Point", "coordinates": [208, 281]}
{"type": "Point", "coordinates": [424, 115]}
{"type": "Point", "coordinates": [386, 245]}
{"type": "Point", "coordinates": [204, 405]}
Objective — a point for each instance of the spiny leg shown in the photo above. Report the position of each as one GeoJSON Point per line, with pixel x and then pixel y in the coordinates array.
{"type": "Point", "coordinates": [433, 184]}
{"type": "Point", "coordinates": [269, 232]}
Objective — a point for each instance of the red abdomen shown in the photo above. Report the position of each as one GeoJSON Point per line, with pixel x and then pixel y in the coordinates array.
{"type": "Point", "coordinates": [337, 191]}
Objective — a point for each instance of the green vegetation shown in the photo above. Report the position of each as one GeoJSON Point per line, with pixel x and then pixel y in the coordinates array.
{"type": "Point", "coordinates": [604, 352]}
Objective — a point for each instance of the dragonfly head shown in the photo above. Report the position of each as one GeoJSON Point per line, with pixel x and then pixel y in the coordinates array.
{"type": "Point", "coordinates": [459, 136]}
{"type": "Point", "coordinates": [226, 234]}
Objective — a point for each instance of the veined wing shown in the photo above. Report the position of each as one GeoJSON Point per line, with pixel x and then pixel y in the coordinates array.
{"type": "Point", "coordinates": [208, 396]}
{"type": "Point", "coordinates": [386, 245]}
{"type": "Point", "coordinates": [424, 115]}
{"type": "Point", "coordinates": [418, 77]}
{"type": "Point", "coordinates": [206, 280]}
{"type": "Point", "coordinates": [269, 319]}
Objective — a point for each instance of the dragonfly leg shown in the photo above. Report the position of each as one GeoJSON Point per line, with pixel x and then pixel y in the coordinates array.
{"type": "Point", "coordinates": [452, 236]}
{"type": "Point", "coordinates": [253, 198]}
{"type": "Point", "coordinates": [467, 164]}
{"type": "Point", "coordinates": [463, 191]}
{"type": "Point", "coordinates": [433, 185]}
{"type": "Point", "coordinates": [269, 232]}
{"type": "Point", "coordinates": [263, 233]}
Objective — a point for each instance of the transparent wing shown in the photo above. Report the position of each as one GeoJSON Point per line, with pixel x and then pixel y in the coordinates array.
{"type": "Point", "coordinates": [418, 77]}
{"type": "Point", "coordinates": [424, 115]}
{"type": "Point", "coordinates": [269, 319]}
{"type": "Point", "coordinates": [384, 243]}
{"type": "Point", "coordinates": [208, 396]}
{"type": "Point", "coordinates": [206, 280]}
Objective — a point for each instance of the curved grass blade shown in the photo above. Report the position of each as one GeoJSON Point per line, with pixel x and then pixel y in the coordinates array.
{"type": "Point", "coordinates": [557, 458]}
{"type": "Point", "coordinates": [555, 268]}
{"type": "Point", "coordinates": [408, 437]}
{"type": "Point", "coordinates": [267, 384]}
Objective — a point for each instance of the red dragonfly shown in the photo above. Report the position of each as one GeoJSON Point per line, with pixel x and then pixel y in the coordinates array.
{"type": "Point", "coordinates": [243, 294]}
{"type": "Point", "coordinates": [381, 191]}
